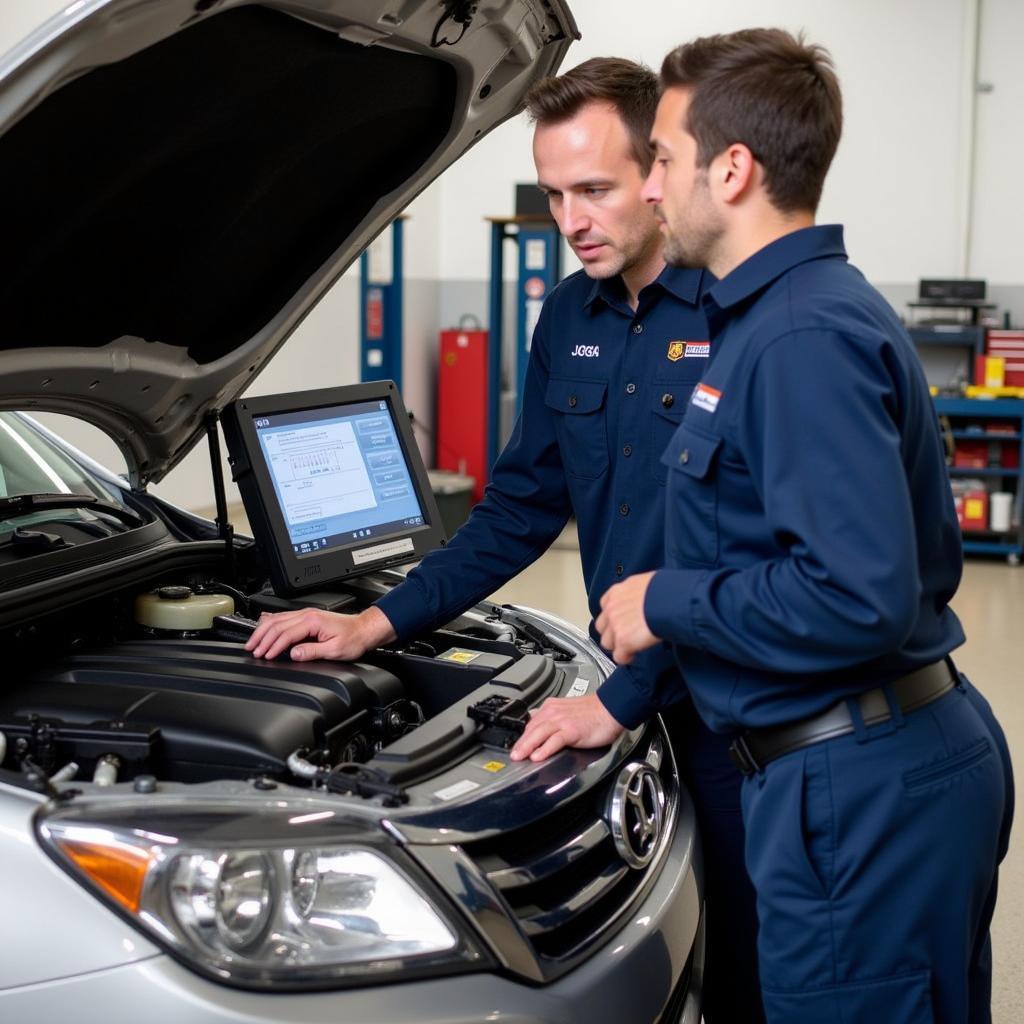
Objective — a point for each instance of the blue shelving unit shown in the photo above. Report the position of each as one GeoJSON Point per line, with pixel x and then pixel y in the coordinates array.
{"type": "Point", "coordinates": [958, 336]}
{"type": "Point", "coordinates": [960, 412]}
{"type": "Point", "coordinates": [540, 269]}
{"type": "Point", "coordinates": [381, 312]}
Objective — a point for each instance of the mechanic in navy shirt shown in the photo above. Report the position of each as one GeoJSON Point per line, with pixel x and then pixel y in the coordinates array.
{"type": "Point", "coordinates": [812, 549]}
{"type": "Point", "coordinates": [615, 356]}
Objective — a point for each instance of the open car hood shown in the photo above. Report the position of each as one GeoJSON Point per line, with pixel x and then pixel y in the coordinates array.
{"type": "Point", "coordinates": [184, 179]}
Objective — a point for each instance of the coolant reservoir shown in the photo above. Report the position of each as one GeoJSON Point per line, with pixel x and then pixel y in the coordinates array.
{"type": "Point", "coordinates": [178, 608]}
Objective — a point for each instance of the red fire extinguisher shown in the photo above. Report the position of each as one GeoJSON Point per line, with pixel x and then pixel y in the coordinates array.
{"type": "Point", "coordinates": [462, 402]}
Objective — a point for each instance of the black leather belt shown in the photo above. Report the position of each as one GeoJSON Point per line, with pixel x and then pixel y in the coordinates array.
{"type": "Point", "coordinates": [752, 750]}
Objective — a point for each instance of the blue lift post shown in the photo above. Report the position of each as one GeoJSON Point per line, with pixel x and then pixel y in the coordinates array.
{"type": "Point", "coordinates": [380, 311]}
{"type": "Point", "coordinates": [540, 269]}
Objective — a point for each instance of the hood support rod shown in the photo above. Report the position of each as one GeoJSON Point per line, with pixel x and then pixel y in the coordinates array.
{"type": "Point", "coordinates": [225, 530]}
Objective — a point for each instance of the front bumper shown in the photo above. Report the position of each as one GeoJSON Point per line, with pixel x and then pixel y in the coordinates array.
{"type": "Point", "coordinates": [633, 977]}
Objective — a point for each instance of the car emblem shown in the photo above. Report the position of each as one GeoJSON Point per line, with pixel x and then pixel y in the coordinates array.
{"type": "Point", "coordinates": [636, 814]}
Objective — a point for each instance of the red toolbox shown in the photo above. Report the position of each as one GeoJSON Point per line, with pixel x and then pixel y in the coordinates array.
{"type": "Point", "coordinates": [1008, 345]}
{"type": "Point", "coordinates": [971, 454]}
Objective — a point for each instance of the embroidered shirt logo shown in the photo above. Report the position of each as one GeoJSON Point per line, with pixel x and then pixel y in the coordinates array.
{"type": "Point", "coordinates": [587, 351]}
{"type": "Point", "coordinates": [705, 398]}
{"type": "Point", "coordinates": [688, 350]}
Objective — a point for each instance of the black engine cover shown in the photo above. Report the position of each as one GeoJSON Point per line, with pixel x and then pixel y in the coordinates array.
{"type": "Point", "coordinates": [192, 710]}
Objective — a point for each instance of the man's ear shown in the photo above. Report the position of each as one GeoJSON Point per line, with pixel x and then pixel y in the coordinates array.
{"type": "Point", "coordinates": [736, 172]}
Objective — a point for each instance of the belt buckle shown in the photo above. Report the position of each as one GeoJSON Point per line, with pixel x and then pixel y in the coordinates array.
{"type": "Point", "coordinates": [742, 756]}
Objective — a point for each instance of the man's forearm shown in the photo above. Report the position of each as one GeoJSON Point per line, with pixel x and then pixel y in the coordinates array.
{"type": "Point", "coordinates": [375, 628]}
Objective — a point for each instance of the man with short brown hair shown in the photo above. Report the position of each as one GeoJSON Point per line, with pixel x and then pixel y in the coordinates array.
{"type": "Point", "coordinates": [812, 550]}
{"type": "Point", "coordinates": [630, 88]}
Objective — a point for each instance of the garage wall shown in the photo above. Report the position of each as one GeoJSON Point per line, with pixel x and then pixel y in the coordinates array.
{"type": "Point", "coordinates": [899, 176]}
{"type": "Point", "coordinates": [997, 242]}
{"type": "Point", "coordinates": [900, 181]}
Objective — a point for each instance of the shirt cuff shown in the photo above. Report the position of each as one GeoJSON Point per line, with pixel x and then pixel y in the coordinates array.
{"type": "Point", "coordinates": [405, 607]}
{"type": "Point", "coordinates": [624, 698]}
{"type": "Point", "coordinates": [668, 605]}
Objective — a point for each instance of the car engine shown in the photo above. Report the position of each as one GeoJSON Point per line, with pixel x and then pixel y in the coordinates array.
{"type": "Point", "coordinates": [158, 684]}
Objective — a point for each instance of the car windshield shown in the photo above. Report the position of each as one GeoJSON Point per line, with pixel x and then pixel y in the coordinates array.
{"type": "Point", "coordinates": [31, 464]}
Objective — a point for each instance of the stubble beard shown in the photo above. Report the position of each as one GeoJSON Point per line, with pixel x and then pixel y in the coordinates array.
{"type": "Point", "coordinates": [605, 270]}
{"type": "Point", "coordinates": [630, 253]}
{"type": "Point", "coordinates": [692, 238]}
{"type": "Point", "coordinates": [692, 250]}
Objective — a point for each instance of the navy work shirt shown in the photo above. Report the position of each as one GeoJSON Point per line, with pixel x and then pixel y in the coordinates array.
{"type": "Point", "coordinates": [605, 390]}
{"type": "Point", "coordinates": [812, 545]}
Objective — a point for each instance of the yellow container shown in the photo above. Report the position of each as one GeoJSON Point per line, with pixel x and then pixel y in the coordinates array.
{"type": "Point", "coordinates": [995, 371]}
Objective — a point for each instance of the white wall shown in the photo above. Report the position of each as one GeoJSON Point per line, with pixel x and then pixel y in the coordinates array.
{"type": "Point", "coordinates": [897, 178]}
{"type": "Point", "coordinates": [997, 250]}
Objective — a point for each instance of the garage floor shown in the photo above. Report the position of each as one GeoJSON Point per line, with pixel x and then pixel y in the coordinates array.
{"type": "Point", "coordinates": [991, 604]}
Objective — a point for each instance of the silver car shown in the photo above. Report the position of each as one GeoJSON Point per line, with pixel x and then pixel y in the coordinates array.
{"type": "Point", "coordinates": [186, 833]}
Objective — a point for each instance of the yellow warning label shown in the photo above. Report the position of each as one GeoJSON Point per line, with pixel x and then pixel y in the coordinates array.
{"type": "Point", "coordinates": [462, 657]}
{"type": "Point", "coordinates": [974, 509]}
{"type": "Point", "coordinates": [493, 766]}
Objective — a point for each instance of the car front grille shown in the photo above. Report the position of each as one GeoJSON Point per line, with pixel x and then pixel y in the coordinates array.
{"type": "Point", "coordinates": [562, 878]}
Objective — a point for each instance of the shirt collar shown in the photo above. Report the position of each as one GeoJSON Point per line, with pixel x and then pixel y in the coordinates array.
{"type": "Point", "coordinates": [681, 282]}
{"type": "Point", "coordinates": [774, 260]}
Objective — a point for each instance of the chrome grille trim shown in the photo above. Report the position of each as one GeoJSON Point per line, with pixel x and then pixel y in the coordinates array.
{"type": "Point", "coordinates": [570, 886]}
{"type": "Point", "coordinates": [537, 924]}
{"type": "Point", "coordinates": [454, 870]}
{"type": "Point", "coordinates": [550, 863]}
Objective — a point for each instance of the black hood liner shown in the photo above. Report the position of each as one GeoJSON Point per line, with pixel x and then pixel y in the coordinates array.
{"type": "Point", "coordinates": [185, 194]}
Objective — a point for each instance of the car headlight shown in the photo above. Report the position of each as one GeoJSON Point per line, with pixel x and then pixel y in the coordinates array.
{"type": "Point", "coordinates": [268, 895]}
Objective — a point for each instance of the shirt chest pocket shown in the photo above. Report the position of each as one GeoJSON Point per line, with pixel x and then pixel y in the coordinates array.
{"type": "Point", "coordinates": [579, 408]}
{"type": "Point", "coordinates": [669, 406]}
{"type": "Point", "coordinates": [691, 499]}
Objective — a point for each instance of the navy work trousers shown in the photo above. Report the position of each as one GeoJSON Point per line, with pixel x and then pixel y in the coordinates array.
{"type": "Point", "coordinates": [874, 857]}
{"type": "Point", "coordinates": [732, 994]}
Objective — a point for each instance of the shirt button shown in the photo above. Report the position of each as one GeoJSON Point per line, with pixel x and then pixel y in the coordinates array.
{"type": "Point", "coordinates": [668, 401]}
{"type": "Point", "coordinates": [630, 388]}
{"type": "Point", "coordinates": [684, 456]}
{"type": "Point", "coordinates": [623, 509]}
{"type": "Point", "coordinates": [627, 450]}
{"type": "Point", "coordinates": [572, 401]}
{"type": "Point", "coordinates": [638, 328]}
{"type": "Point", "coordinates": [619, 570]}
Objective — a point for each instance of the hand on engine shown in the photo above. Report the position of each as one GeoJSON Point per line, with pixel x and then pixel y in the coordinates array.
{"type": "Point", "coordinates": [336, 636]}
{"type": "Point", "coordinates": [566, 722]}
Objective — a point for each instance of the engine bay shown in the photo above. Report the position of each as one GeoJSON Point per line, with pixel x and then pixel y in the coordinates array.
{"type": "Point", "coordinates": [157, 684]}
{"type": "Point", "coordinates": [141, 675]}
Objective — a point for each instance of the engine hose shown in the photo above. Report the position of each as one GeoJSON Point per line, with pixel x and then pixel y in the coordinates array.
{"type": "Point", "coordinates": [65, 774]}
{"type": "Point", "coordinates": [299, 766]}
